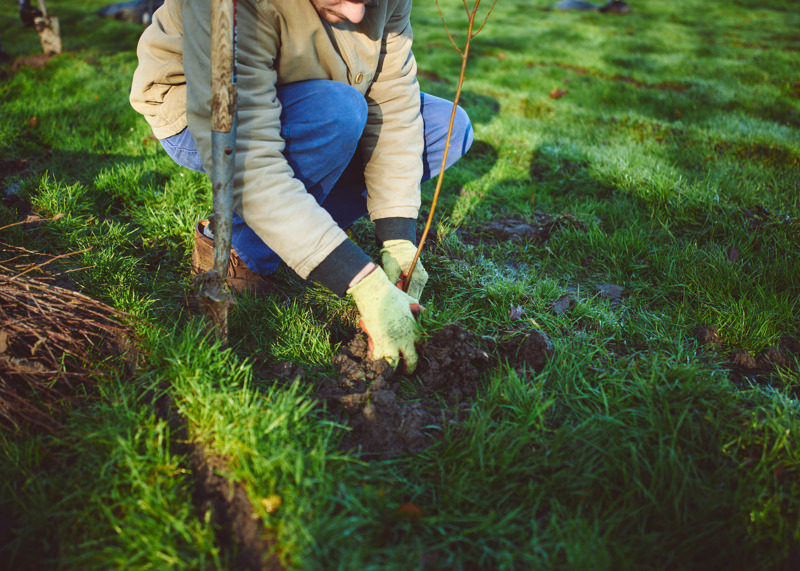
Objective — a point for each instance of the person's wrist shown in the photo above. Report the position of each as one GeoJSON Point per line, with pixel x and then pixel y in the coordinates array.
{"type": "Point", "coordinates": [396, 229]}
{"type": "Point", "coordinates": [365, 271]}
{"type": "Point", "coordinates": [340, 267]}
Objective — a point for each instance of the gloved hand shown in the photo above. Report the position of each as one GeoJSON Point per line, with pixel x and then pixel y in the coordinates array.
{"type": "Point", "coordinates": [386, 318]}
{"type": "Point", "coordinates": [396, 258]}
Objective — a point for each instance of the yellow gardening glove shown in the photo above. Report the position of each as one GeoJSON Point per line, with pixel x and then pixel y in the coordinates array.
{"type": "Point", "coordinates": [396, 257]}
{"type": "Point", "coordinates": [386, 318]}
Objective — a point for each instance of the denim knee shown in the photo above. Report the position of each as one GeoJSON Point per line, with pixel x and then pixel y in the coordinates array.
{"type": "Point", "coordinates": [325, 109]}
{"type": "Point", "coordinates": [462, 131]}
{"type": "Point", "coordinates": [346, 111]}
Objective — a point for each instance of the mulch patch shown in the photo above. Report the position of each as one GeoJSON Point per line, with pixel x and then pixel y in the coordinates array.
{"type": "Point", "coordinates": [387, 417]}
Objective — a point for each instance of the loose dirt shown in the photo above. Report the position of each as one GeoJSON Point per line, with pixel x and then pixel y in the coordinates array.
{"type": "Point", "coordinates": [744, 367]}
{"type": "Point", "coordinates": [709, 336]}
{"type": "Point", "coordinates": [389, 415]}
{"type": "Point", "coordinates": [36, 61]}
{"type": "Point", "coordinates": [527, 350]}
{"type": "Point", "coordinates": [366, 398]}
{"type": "Point", "coordinates": [563, 304]}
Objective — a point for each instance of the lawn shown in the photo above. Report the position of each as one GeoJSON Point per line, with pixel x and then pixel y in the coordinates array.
{"type": "Point", "coordinates": [662, 151]}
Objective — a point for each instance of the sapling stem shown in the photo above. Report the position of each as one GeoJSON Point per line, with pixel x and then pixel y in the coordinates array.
{"type": "Point", "coordinates": [464, 55]}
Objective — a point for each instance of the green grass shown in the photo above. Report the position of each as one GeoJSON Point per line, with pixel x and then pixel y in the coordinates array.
{"type": "Point", "coordinates": [633, 448]}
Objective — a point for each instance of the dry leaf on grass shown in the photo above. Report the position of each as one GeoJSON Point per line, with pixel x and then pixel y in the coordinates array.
{"type": "Point", "coordinates": [515, 312]}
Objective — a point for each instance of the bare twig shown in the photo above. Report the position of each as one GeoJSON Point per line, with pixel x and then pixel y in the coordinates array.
{"type": "Point", "coordinates": [58, 216]}
{"type": "Point", "coordinates": [486, 19]}
{"type": "Point", "coordinates": [53, 259]}
{"type": "Point", "coordinates": [52, 342]}
{"type": "Point", "coordinates": [464, 56]}
{"type": "Point", "coordinates": [449, 35]}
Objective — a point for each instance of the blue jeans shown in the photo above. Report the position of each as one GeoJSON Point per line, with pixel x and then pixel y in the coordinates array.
{"type": "Point", "coordinates": [321, 123]}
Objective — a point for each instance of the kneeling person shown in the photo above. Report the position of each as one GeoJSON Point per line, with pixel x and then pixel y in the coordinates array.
{"type": "Point", "coordinates": [331, 127]}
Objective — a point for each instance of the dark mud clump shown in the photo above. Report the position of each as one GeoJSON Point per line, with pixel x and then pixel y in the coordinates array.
{"type": "Point", "coordinates": [527, 350]}
{"type": "Point", "coordinates": [745, 367]}
{"type": "Point", "coordinates": [709, 336]}
{"type": "Point", "coordinates": [366, 398]}
{"type": "Point", "coordinates": [386, 418]}
{"type": "Point", "coordinates": [451, 363]}
{"type": "Point", "coordinates": [563, 304]}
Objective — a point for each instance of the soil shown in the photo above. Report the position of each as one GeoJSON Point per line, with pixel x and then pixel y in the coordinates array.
{"type": "Point", "coordinates": [238, 528]}
{"type": "Point", "coordinates": [759, 216]}
{"type": "Point", "coordinates": [563, 304]}
{"type": "Point", "coordinates": [790, 345]}
{"type": "Point", "coordinates": [744, 366]}
{"type": "Point", "coordinates": [7, 525]}
{"type": "Point", "coordinates": [452, 361]}
{"type": "Point", "coordinates": [233, 512]}
{"type": "Point", "coordinates": [709, 335]}
{"type": "Point", "coordinates": [527, 350]}
{"type": "Point", "coordinates": [12, 167]}
{"type": "Point", "coordinates": [366, 398]}
{"type": "Point", "coordinates": [610, 291]}
{"type": "Point", "coordinates": [35, 61]}
{"type": "Point", "coordinates": [387, 417]}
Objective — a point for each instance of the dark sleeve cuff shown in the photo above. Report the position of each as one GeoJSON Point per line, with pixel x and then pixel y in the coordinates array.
{"type": "Point", "coordinates": [340, 267]}
{"type": "Point", "coordinates": [396, 229]}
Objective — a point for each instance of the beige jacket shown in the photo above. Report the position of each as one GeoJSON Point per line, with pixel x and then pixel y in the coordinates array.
{"type": "Point", "coordinates": [279, 42]}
